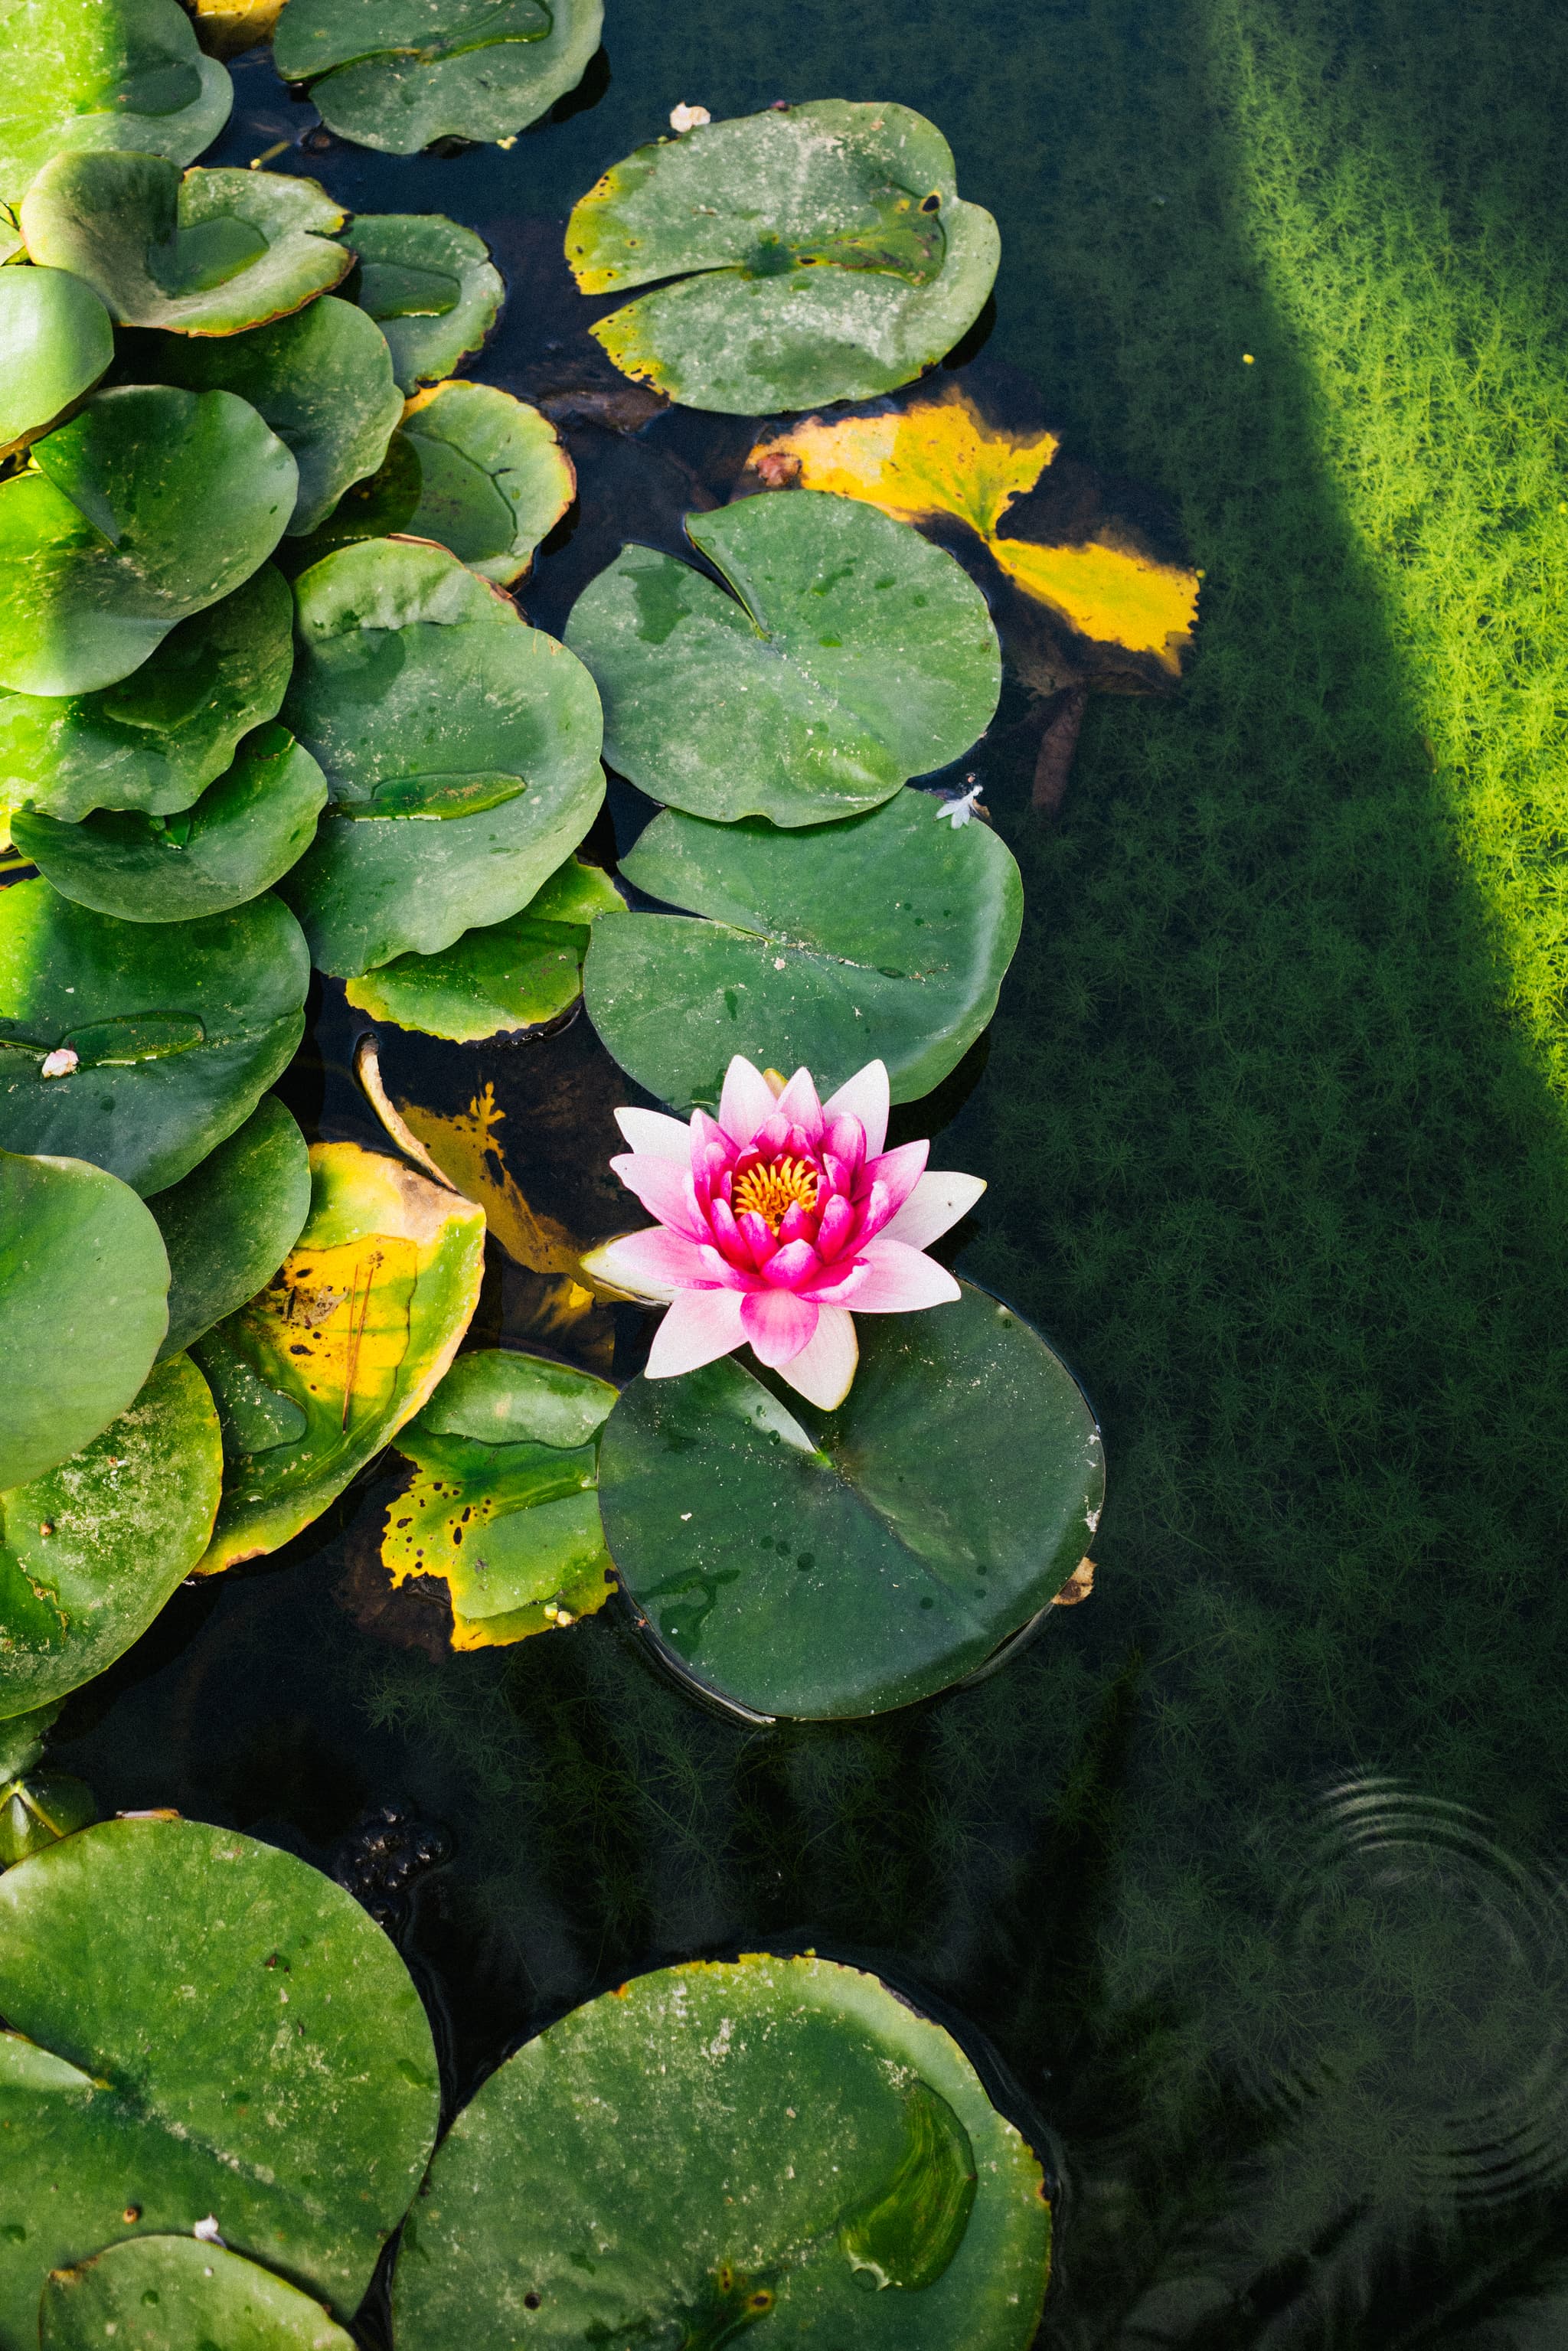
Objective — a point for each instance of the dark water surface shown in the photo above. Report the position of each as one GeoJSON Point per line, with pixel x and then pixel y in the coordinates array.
{"type": "Point", "coordinates": [1247, 1871]}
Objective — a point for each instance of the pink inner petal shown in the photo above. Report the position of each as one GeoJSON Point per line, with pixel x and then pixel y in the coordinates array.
{"type": "Point", "coordinates": [799, 1104]}
{"type": "Point", "coordinates": [795, 1266]}
{"type": "Point", "coordinates": [865, 1096]}
{"type": "Point", "coordinates": [901, 1281]}
{"type": "Point", "coordinates": [746, 1101]}
{"type": "Point", "coordinates": [758, 1234]}
{"type": "Point", "coordinates": [698, 1327]}
{"type": "Point", "coordinates": [665, 1191]}
{"type": "Point", "coordinates": [796, 1223]}
{"type": "Point", "coordinates": [845, 1137]}
{"type": "Point", "coordinates": [836, 1225]}
{"type": "Point", "coordinates": [778, 1324]}
{"type": "Point", "coordinates": [899, 1171]}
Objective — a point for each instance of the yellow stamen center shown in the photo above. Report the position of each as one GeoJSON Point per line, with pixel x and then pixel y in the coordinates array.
{"type": "Point", "coordinates": [770, 1190]}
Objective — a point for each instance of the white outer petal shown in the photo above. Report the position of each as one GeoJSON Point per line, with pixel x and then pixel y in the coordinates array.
{"type": "Point", "coordinates": [699, 1326]}
{"type": "Point", "coordinates": [933, 1207]}
{"type": "Point", "coordinates": [825, 1367]}
{"type": "Point", "coordinates": [601, 1268]}
{"type": "Point", "coordinates": [747, 1100]}
{"type": "Point", "coordinates": [661, 1137]}
{"type": "Point", "coordinates": [865, 1096]}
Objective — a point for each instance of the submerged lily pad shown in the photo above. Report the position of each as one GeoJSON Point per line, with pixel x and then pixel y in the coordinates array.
{"type": "Point", "coordinates": [80, 75]}
{"type": "Point", "coordinates": [397, 74]}
{"type": "Point", "coordinates": [242, 836]}
{"type": "Point", "coordinates": [204, 253]}
{"type": "Point", "coordinates": [212, 2028]}
{"type": "Point", "coordinates": [148, 505]}
{"type": "Point", "coordinates": [885, 937]}
{"type": "Point", "coordinates": [90, 1550]}
{"type": "Point", "coordinates": [430, 286]}
{"type": "Point", "coordinates": [84, 1290]}
{"type": "Point", "coordinates": [154, 740]}
{"type": "Point", "coordinates": [851, 656]}
{"type": "Point", "coordinates": [321, 379]}
{"type": "Point", "coordinates": [1110, 606]}
{"type": "Point", "coordinates": [517, 974]}
{"type": "Point", "coordinates": [824, 1565]}
{"type": "Point", "coordinates": [231, 1222]}
{"type": "Point", "coordinates": [833, 256]}
{"type": "Point", "coordinates": [176, 1032]}
{"type": "Point", "coordinates": [55, 341]}
{"type": "Point", "coordinates": [316, 1374]}
{"type": "Point", "coordinates": [178, 2294]}
{"type": "Point", "coordinates": [716, 2145]}
{"type": "Point", "coordinates": [503, 1506]}
{"type": "Point", "coordinates": [475, 470]}
{"type": "Point", "coordinates": [461, 748]}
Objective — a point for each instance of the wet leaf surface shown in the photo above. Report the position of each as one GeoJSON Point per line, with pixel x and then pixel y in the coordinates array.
{"type": "Point", "coordinates": [202, 2025]}
{"type": "Point", "coordinates": [779, 2142]}
{"type": "Point", "coordinates": [229, 1225]}
{"type": "Point", "coordinates": [430, 286]}
{"type": "Point", "coordinates": [176, 2294]}
{"type": "Point", "coordinates": [831, 1564]}
{"type": "Point", "coordinates": [74, 76]}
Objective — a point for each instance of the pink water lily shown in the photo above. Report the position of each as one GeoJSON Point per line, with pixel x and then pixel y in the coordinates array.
{"type": "Point", "coordinates": [777, 1219]}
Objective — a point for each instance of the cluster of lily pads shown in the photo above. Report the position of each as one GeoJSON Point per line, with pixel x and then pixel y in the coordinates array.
{"type": "Point", "coordinates": [266, 702]}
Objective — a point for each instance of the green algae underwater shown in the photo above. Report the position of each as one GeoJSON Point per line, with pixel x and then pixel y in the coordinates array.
{"type": "Point", "coordinates": [1248, 1867]}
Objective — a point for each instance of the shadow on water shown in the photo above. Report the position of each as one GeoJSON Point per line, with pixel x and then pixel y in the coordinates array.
{"type": "Point", "coordinates": [1272, 1158]}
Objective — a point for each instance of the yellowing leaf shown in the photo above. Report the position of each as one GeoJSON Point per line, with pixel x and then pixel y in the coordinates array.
{"type": "Point", "coordinates": [1108, 594]}
{"type": "Point", "coordinates": [938, 457]}
{"type": "Point", "coordinates": [465, 1147]}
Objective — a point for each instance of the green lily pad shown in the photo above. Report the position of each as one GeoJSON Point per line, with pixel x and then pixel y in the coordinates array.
{"type": "Point", "coordinates": [816, 1564]}
{"type": "Point", "coordinates": [231, 1222]}
{"type": "Point", "coordinates": [475, 470]}
{"type": "Point", "coordinates": [430, 286]}
{"type": "Point", "coordinates": [178, 2294]}
{"type": "Point", "coordinates": [461, 748]}
{"type": "Point", "coordinates": [397, 74]}
{"type": "Point", "coordinates": [84, 1290]}
{"type": "Point", "coordinates": [834, 258]}
{"type": "Point", "coordinates": [39, 1810]}
{"type": "Point", "coordinates": [503, 1506]}
{"type": "Point", "coordinates": [717, 2145]}
{"type": "Point", "coordinates": [242, 836]}
{"type": "Point", "coordinates": [154, 740]}
{"type": "Point", "coordinates": [882, 937]}
{"type": "Point", "coordinates": [323, 1369]}
{"type": "Point", "coordinates": [55, 341]}
{"type": "Point", "coordinates": [77, 74]}
{"type": "Point", "coordinates": [321, 379]}
{"type": "Point", "coordinates": [212, 2029]}
{"type": "Point", "coordinates": [851, 656]}
{"type": "Point", "coordinates": [90, 1550]}
{"type": "Point", "coordinates": [177, 1031]}
{"type": "Point", "coordinates": [148, 505]}
{"type": "Point", "coordinates": [519, 974]}
{"type": "Point", "coordinates": [205, 252]}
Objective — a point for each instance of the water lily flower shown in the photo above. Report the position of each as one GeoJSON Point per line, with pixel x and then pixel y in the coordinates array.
{"type": "Point", "coordinates": [959, 810]}
{"type": "Point", "coordinates": [775, 1219]}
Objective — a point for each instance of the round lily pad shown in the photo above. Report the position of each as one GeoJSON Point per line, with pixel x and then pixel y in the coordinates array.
{"type": "Point", "coordinates": [461, 748]}
{"type": "Point", "coordinates": [397, 74]}
{"type": "Point", "coordinates": [475, 470]}
{"type": "Point", "coordinates": [148, 505]}
{"type": "Point", "coordinates": [884, 937]}
{"type": "Point", "coordinates": [833, 256]}
{"type": "Point", "coordinates": [176, 1031]}
{"type": "Point", "coordinates": [316, 1374]}
{"type": "Point", "coordinates": [55, 341]}
{"type": "Point", "coordinates": [179, 2293]}
{"type": "Point", "coordinates": [78, 73]}
{"type": "Point", "coordinates": [321, 379]}
{"type": "Point", "coordinates": [851, 656]}
{"type": "Point", "coordinates": [242, 836]}
{"type": "Point", "coordinates": [231, 1222]}
{"type": "Point", "coordinates": [503, 1506]}
{"type": "Point", "coordinates": [810, 1563]}
{"type": "Point", "coordinates": [515, 974]}
{"type": "Point", "coordinates": [213, 2031]}
{"type": "Point", "coordinates": [718, 2144]}
{"type": "Point", "coordinates": [84, 1290]}
{"type": "Point", "coordinates": [430, 286]}
{"type": "Point", "coordinates": [90, 1550]}
{"type": "Point", "coordinates": [205, 252]}
{"type": "Point", "coordinates": [155, 739]}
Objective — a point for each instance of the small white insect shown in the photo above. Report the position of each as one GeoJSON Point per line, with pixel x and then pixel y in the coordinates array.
{"type": "Point", "coordinates": [59, 1063]}
{"type": "Point", "coordinates": [688, 118]}
{"type": "Point", "coordinates": [960, 810]}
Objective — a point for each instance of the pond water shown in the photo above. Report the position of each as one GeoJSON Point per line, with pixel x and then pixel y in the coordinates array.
{"type": "Point", "coordinates": [1246, 1874]}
